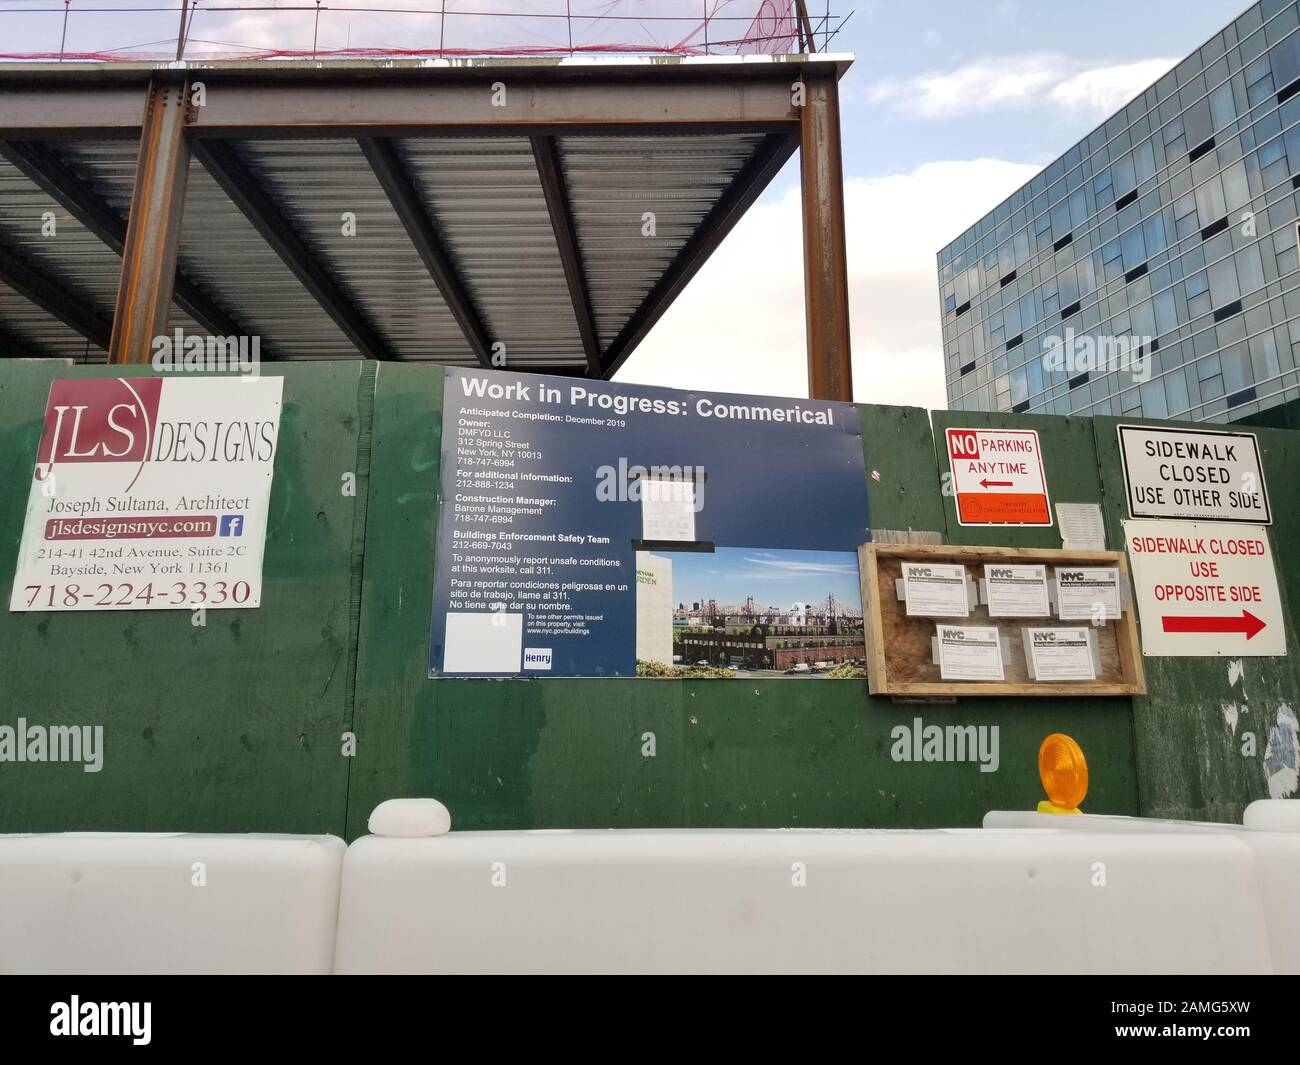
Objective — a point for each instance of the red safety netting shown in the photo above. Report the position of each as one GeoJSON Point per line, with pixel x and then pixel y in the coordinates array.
{"type": "Point", "coordinates": [377, 29]}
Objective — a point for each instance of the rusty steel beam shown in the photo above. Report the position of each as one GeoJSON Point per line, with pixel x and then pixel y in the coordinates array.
{"type": "Point", "coordinates": [63, 109]}
{"type": "Point", "coordinates": [256, 204]}
{"type": "Point", "coordinates": [551, 174]}
{"type": "Point", "coordinates": [153, 229]}
{"type": "Point", "coordinates": [744, 189]}
{"type": "Point", "coordinates": [44, 168]}
{"type": "Point", "coordinates": [825, 262]}
{"type": "Point", "coordinates": [69, 308]}
{"type": "Point", "coordinates": [527, 104]}
{"type": "Point", "coordinates": [393, 175]}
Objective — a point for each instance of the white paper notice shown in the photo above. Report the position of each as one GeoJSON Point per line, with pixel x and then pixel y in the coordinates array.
{"type": "Point", "coordinates": [967, 653]}
{"type": "Point", "coordinates": [935, 590]}
{"type": "Point", "coordinates": [1088, 593]}
{"type": "Point", "coordinates": [1017, 591]}
{"type": "Point", "coordinates": [1082, 527]}
{"type": "Point", "coordinates": [1060, 654]}
{"type": "Point", "coordinates": [667, 509]}
{"type": "Point", "coordinates": [488, 641]}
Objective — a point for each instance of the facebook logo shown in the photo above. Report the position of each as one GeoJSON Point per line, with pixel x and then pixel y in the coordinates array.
{"type": "Point", "coordinates": [232, 525]}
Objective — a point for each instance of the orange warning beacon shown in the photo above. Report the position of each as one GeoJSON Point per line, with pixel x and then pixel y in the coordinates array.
{"type": "Point", "coordinates": [1064, 773]}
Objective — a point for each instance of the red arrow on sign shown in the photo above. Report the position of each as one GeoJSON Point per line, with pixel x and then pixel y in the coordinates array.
{"type": "Point", "coordinates": [996, 484]}
{"type": "Point", "coordinates": [1247, 623]}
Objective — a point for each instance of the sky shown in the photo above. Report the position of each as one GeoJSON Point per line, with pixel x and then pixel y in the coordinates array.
{"type": "Point", "coordinates": [773, 578]}
{"type": "Point", "coordinates": [949, 106]}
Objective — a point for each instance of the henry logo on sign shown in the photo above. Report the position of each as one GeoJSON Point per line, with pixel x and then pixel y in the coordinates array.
{"type": "Point", "coordinates": [1193, 474]}
{"type": "Point", "coordinates": [997, 477]}
{"type": "Point", "coordinates": [537, 658]}
{"type": "Point", "coordinates": [1205, 589]}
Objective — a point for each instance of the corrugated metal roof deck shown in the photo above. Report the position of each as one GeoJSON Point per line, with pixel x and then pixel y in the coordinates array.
{"type": "Point", "coordinates": [86, 270]}
{"type": "Point", "coordinates": [615, 181]}
{"type": "Point", "coordinates": [484, 195]}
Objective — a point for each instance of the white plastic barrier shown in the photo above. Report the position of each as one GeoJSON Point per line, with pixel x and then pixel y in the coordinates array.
{"type": "Point", "coordinates": [168, 903]}
{"type": "Point", "coordinates": [1273, 815]}
{"type": "Point", "coordinates": [1270, 829]}
{"type": "Point", "coordinates": [967, 901]}
{"type": "Point", "coordinates": [1028, 893]}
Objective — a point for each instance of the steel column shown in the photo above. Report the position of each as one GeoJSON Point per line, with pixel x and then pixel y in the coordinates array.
{"type": "Point", "coordinates": [806, 39]}
{"type": "Point", "coordinates": [826, 286]}
{"type": "Point", "coordinates": [144, 291]}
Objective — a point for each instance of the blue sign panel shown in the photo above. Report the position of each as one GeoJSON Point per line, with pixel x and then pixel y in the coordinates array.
{"type": "Point", "coordinates": [585, 527]}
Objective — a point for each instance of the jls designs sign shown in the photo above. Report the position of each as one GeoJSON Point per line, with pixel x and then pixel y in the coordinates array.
{"type": "Point", "coordinates": [149, 494]}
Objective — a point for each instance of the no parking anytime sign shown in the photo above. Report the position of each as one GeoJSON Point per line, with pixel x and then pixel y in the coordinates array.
{"type": "Point", "coordinates": [1205, 588]}
{"type": "Point", "coordinates": [997, 477]}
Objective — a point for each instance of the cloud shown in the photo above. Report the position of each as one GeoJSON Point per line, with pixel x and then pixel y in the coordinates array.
{"type": "Point", "coordinates": [739, 326]}
{"type": "Point", "coordinates": [787, 568]}
{"type": "Point", "coordinates": [1020, 81]}
{"type": "Point", "coordinates": [384, 24]}
{"type": "Point", "coordinates": [1107, 89]}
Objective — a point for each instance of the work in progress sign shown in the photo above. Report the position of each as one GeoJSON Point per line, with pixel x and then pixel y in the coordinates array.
{"type": "Point", "coordinates": [590, 529]}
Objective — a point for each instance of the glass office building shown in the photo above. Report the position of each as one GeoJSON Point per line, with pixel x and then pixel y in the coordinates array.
{"type": "Point", "coordinates": [1151, 270]}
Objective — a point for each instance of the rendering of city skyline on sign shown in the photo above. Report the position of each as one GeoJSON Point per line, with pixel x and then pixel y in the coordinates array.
{"type": "Point", "coordinates": [741, 580]}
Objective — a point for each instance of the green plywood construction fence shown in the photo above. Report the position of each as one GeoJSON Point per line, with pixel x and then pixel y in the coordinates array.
{"type": "Point", "coordinates": [232, 726]}
{"type": "Point", "coordinates": [1194, 759]}
{"type": "Point", "coordinates": [239, 725]}
{"type": "Point", "coordinates": [736, 753]}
